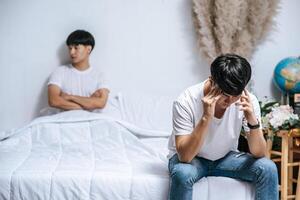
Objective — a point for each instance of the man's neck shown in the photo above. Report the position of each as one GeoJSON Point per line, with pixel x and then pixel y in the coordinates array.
{"type": "Point", "coordinates": [219, 112]}
{"type": "Point", "coordinates": [81, 66]}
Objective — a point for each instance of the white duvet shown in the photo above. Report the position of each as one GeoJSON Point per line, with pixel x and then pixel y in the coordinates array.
{"type": "Point", "coordinates": [79, 155]}
{"type": "Point", "coordinates": [82, 155]}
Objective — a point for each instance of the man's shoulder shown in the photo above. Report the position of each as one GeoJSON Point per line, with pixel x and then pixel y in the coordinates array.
{"type": "Point", "coordinates": [190, 96]}
{"type": "Point", "coordinates": [62, 68]}
{"type": "Point", "coordinates": [194, 92]}
{"type": "Point", "coordinates": [98, 72]}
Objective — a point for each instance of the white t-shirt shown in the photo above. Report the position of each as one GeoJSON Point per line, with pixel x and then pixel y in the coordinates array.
{"type": "Point", "coordinates": [75, 82]}
{"type": "Point", "coordinates": [223, 133]}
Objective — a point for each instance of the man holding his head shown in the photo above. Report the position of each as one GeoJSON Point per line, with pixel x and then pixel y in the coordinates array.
{"type": "Point", "coordinates": [78, 85]}
{"type": "Point", "coordinates": [207, 121]}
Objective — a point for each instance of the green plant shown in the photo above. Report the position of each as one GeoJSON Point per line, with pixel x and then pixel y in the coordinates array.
{"type": "Point", "coordinates": [266, 108]}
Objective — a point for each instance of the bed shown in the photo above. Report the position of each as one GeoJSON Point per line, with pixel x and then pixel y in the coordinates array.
{"type": "Point", "coordinates": [114, 154]}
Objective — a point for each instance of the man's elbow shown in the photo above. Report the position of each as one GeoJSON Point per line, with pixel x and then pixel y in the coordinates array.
{"type": "Point", "coordinates": [99, 105]}
{"type": "Point", "coordinates": [184, 157]}
{"type": "Point", "coordinates": [53, 102]}
{"type": "Point", "coordinates": [258, 153]}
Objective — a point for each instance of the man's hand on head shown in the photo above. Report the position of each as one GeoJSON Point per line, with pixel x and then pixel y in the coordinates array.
{"type": "Point", "coordinates": [246, 106]}
{"type": "Point", "coordinates": [209, 102]}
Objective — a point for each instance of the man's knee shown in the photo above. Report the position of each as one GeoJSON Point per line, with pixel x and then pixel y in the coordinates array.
{"type": "Point", "coordinates": [265, 168]}
{"type": "Point", "coordinates": [184, 174]}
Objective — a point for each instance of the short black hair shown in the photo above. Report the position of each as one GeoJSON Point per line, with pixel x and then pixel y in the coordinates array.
{"type": "Point", "coordinates": [231, 73]}
{"type": "Point", "coordinates": [81, 37]}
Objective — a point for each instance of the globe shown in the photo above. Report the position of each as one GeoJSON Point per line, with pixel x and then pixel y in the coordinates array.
{"type": "Point", "coordinates": [287, 75]}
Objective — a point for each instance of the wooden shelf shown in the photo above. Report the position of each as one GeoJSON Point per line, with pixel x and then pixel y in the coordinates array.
{"type": "Point", "coordinates": [286, 159]}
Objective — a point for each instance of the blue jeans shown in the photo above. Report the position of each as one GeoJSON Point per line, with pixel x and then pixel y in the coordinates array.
{"type": "Point", "coordinates": [261, 172]}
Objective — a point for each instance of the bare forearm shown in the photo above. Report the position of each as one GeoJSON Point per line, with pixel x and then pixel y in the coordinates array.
{"type": "Point", "coordinates": [187, 149]}
{"type": "Point", "coordinates": [89, 103]}
{"type": "Point", "coordinates": [64, 104]}
{"type": "Point", "coordinates": [257, 143]}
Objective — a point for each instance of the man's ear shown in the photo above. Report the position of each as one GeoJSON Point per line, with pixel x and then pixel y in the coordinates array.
{"type": "Point", "coordinates": [89, 49]}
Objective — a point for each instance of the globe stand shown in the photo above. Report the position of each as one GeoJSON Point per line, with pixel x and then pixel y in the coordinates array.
{"type": "Point", "coordinates": [285, 99]}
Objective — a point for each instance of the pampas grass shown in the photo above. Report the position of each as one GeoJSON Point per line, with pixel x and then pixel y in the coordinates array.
{"type": "Point", "coordinates": [232, 26]}
{"type": "Point", "coordinates": [204, 26]}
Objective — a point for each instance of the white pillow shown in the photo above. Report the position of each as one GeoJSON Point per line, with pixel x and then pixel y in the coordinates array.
{"type": "Point", "coordinates": [147, 111]}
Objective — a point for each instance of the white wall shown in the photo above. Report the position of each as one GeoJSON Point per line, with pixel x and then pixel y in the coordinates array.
{"type": "Point", "coordinates": [283, 42]}
{"type": "Point", "coordinates": [142, 45]}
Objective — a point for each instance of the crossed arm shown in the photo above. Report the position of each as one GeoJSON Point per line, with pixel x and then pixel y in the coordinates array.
{"type": "Point", "coordinates": [58, 99]}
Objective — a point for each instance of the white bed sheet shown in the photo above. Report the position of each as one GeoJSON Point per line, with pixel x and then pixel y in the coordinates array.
{"type": "Point", "coordinates": [210, 188]}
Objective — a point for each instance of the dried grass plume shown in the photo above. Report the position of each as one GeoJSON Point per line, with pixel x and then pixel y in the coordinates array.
{"type": "Point", "coordinates": [233, 26]}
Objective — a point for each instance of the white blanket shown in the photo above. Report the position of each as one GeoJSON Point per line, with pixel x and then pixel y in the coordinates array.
{"type": "Point", "coordinates": [83, 155]}
{"type": "Point", "coordinates": [77, 155]}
